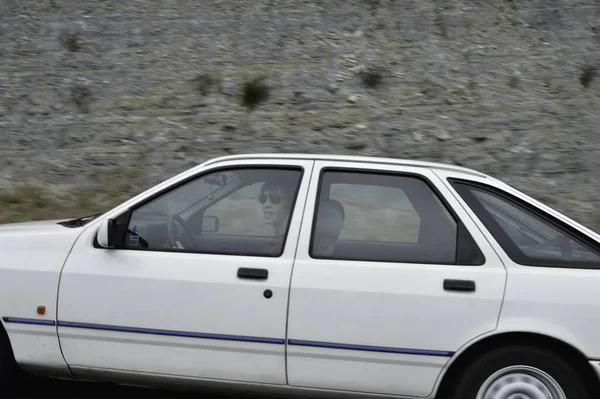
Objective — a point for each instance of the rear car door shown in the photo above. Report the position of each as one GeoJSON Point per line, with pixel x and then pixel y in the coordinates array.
{"type": "Point", "coordinates": [199, 285]}
{"type": "Point", "coordinates": [391, 278]}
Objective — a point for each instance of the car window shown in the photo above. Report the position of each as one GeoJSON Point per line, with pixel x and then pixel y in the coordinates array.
{"type": "Point", "coordinates": [382, 217]}
{"type": "Point", "coordinates": [238, 212]}
{"type": "Point", "coordinates": [528, 237]}
{"type": "Point", "coordinates": [188, 194]}
{"type": "Point", "coordinates": [376, 213]}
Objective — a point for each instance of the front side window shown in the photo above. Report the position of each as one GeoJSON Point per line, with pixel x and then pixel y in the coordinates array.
{"type": "Point", "coordinates": [528, 236]}
{"type": "Point", "coordinates": [386, 217]}
{"type": "Point", "coordinates": [236, 212]}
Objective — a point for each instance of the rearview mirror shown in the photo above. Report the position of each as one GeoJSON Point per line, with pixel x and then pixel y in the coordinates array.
{"type": "Point", "coordinates": [219, 179]}
{"type": "Point", "coordinates": [210, 224]}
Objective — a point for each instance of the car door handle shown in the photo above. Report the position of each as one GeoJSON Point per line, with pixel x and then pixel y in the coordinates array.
{"type": "Point", "coordinates": [252, 273]}
{"type": "Point", "coordinates": [459, 285]}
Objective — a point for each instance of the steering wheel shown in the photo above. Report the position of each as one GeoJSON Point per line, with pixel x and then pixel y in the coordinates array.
{"type": "Point", "coordinates": [179, 233]}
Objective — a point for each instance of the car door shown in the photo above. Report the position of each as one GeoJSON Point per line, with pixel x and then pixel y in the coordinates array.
{"type": "Point", "coordinates": [391, 278]}
{"type": "Point", "coordinates": [198, 286]}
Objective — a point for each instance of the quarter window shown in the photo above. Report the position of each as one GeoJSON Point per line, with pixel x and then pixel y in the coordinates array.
{"type": "Point", "coordinates": [235, 212]}
{"type": "Point", "coordinates": [529, 236]}
{"type": "Point", "coordinates": [368, 216]}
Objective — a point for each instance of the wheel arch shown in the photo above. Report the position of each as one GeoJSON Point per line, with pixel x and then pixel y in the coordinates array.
{"type": "Point", "coordinates": [6, 347]}
{"type": "Point", "coordinates": [573, 355]}
{"type": "Point", "coordinates": [4, 337]}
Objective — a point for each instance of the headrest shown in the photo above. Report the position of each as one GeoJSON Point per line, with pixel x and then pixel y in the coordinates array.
{"type": "Point", "coordinates": [330, 219]}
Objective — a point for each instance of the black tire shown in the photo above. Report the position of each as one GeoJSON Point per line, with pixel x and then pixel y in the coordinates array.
{"type": "Point", "coordinates": [477, 372]}
{"type": "Point", "coordinates": [11, 375]}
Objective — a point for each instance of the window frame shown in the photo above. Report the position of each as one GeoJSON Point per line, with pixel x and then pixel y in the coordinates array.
{"type": "Point", "coordinates": [123, 219]}
{"type": "Point", "coordinates": [516, 255]}
{"type": "Point", "coordinates": [463, 235]}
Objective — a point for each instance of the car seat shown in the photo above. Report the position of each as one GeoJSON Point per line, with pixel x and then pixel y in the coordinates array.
{"type": "Point", "coordinates": [330, 222]}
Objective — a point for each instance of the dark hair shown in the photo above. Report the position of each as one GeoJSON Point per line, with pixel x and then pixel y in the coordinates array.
{"type": "Point", "coordinates": [286, 188]}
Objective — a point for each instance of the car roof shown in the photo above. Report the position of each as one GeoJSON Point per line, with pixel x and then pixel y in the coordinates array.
{"type": "Point", "coordinates": [346, 158]}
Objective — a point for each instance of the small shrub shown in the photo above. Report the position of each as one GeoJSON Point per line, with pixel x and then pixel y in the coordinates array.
{"type": "Point", "coordinates": [254, 92]}
{"type": "Point", "coordinates": [588, 73]}
{"type": "Point", "coordinates": [81, 97]}
{"type": "Point", "coordinates": [28, 201]}
{"type": "Point", "coordinates": [373, 4]}
{"type": "Point", "coordinates": [69, 40]}
{"type": "Point", "coordinates": [429, 88]}
{"type": "Point", "coordinates": [513, 81]}
{"type": "Point", "coordinates": [512, 4]}
{"type": "Point", "coordinates": [440, 21]}
{"type": "Point", "coordinates": [371, 77]}
{"type": "Point", "coordinates": [205, 82]}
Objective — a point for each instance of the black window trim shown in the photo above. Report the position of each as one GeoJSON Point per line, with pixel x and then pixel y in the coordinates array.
{"type": "Point", "coordinates": [512, 250]}
{"type": "Point", "coordinates": [460, 226]}
{"type": "Point", "coordinates": [126, 214]}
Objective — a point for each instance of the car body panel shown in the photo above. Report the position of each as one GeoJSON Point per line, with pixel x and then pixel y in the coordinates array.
{"type": "Point", "coordinates": [33, 254]}
{"type": "Point", "coordinates": [558, 302]}
{"type": "Point", "coordinates": [384, 327]}
{"type": "Point", "coordinates": [189, 315]}
{"type": "Point", "coordinates": [348, 330]}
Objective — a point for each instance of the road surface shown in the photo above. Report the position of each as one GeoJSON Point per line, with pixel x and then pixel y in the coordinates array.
{"type": "Point", "coordinates": [36, 385]}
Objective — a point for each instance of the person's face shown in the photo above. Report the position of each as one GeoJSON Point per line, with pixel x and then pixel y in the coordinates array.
{"type": "Point", "coordinates": [274, 205]}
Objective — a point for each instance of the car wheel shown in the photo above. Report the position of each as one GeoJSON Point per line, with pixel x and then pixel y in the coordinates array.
{"type": "Point", "coordinates": [520, 372]}
{"type": "Point", "coordinates": [10, 373]}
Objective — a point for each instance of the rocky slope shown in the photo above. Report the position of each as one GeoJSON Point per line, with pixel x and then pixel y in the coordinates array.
{"type": "Point", "coordinates": [119, 95]}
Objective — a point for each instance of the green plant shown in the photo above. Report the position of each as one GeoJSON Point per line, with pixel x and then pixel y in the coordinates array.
{"type": "Point", "coordinates": [371, 77]}
{"type": "Point", "coordinates": [81, 96]}
{"type": "Point", "coordinates": [373, 4]}
{"type": "Point", "coordinates": [69, 40]}
{"type": "Point", "coordinates": [439, 19]}
{"type": "Point", "coordinates": [588, 73]}
{"type": "Point", "coordinates": [513, 81]}
{"type": "Point", "coordinates": [429, 88]}
{"type": "Point", "coordinates": [254, 92]}
{"type": "Point", "coordinates": [34, 201]}
{"type": "Point", "coordinates": [26, 201]}
{"type": "Point", "coordinates": [204, 82]}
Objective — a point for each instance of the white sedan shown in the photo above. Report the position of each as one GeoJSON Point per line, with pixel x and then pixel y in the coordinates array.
{"type": "Point", "coordinates": [311, 274]}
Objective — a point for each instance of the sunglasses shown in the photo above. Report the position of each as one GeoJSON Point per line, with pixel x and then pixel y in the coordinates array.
{"type": "Point", "coordinates": [274, 198]}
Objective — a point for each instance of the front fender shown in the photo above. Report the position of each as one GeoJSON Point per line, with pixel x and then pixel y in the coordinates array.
{"type": "Point", "coordinates": [33, 255]}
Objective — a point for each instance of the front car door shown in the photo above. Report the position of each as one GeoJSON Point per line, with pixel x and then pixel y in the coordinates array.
{"type": "Point", "coordinates": [198, 286]}
{"type": "Point", "coordinates": [391, 278]}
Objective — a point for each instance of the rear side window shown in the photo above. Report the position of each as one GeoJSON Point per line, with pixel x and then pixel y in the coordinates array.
{"type": "Point", "coordinates": [385, 217]}
{"type": "Point", "coordinates": [377, 213]}
{"type": "Point", "coordinates": [528, 235]}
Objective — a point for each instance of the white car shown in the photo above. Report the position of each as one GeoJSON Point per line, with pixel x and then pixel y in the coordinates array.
{"type": "Point", "coordinates": [311, 274]}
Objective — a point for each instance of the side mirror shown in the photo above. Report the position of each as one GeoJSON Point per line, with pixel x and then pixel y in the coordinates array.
{"type": "Point", "coordinates": [106, 233]}
{"type": "Point", "coordinates": [210, 224]}
{"type": "Point", "coordinates": [111, 233]}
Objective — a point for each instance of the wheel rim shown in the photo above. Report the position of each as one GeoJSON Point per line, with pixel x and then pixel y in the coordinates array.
{"type": "Point", "coordinates": [520, 382]}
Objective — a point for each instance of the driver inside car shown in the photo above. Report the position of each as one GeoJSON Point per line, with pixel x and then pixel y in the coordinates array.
{"type": "Point", "coordinates": [276, 200]}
